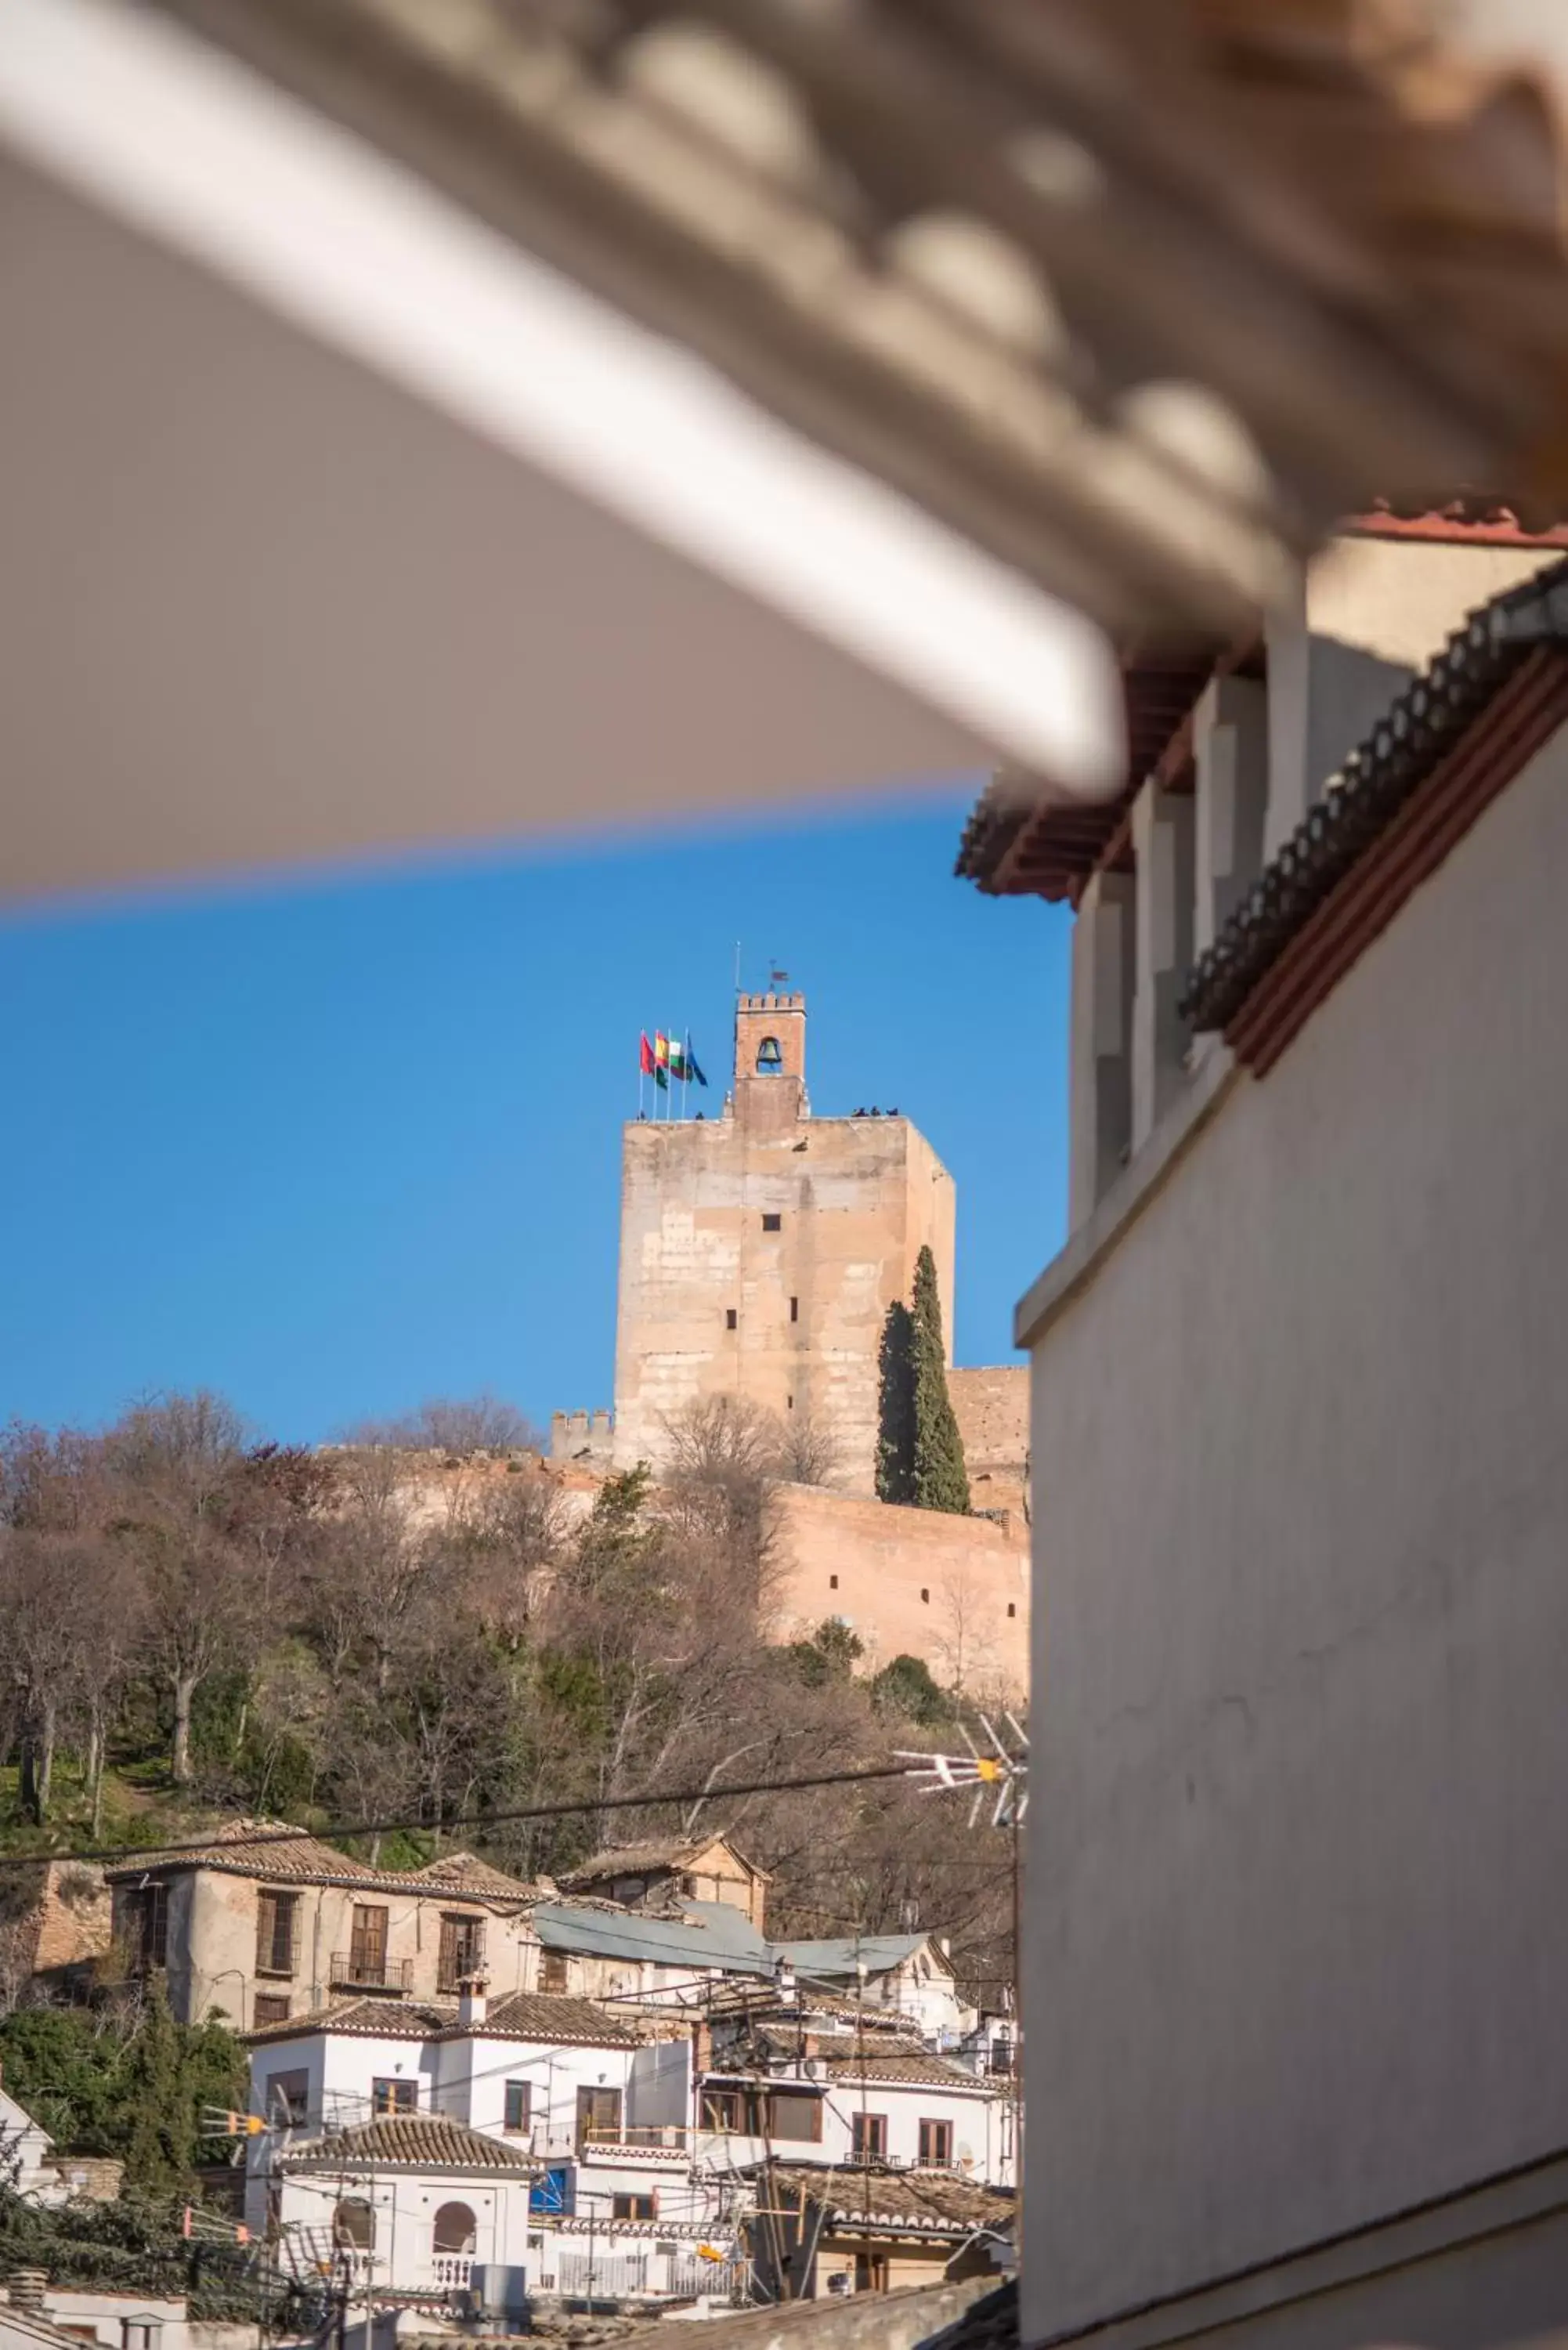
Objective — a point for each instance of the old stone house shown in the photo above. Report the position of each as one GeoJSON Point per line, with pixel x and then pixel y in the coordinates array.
{"type": "Point", "coordinates": [1294, 1927]}
{"type": "Point", "coordinates": [669, 1871]}
{"type": "Point", "coordinates": [263, 1923]}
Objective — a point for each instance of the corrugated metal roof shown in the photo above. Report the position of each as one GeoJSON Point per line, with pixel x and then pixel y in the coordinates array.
{"type": "Point", "coordinates": [599, 1932]}
{"type": "Point", "coordinates": [879, 1952]}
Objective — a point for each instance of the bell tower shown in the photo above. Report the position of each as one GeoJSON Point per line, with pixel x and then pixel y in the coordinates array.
{"type": "Point", "coordinates": [770, 1062]}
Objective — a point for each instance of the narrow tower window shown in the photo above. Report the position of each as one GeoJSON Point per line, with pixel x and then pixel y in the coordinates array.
{"type": "Point", "coordinates": [729, 1318]}
{"type": "Point", "coordinates": [794, 1309]}
{"type": "Point", "coordinates": [772, 1223]}
{"type": "Point", "coordinates": [770, 1060]}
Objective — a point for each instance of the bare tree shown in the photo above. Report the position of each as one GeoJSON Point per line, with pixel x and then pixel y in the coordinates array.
{"type": "Point", "coordinates": [481, 1423]}
{"type": "Point", "coordinates": [967, 1638]}
{"type": "Point", "coordinates": [177, 1461]}
{"type": "Point", "coordinates": [805, 1450]}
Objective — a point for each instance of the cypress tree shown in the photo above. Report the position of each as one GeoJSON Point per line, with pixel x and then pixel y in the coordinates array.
{"type": "Point", "coordinates": [940, 1478]}
{"type": "Point", "coordinates": [896, 1410]}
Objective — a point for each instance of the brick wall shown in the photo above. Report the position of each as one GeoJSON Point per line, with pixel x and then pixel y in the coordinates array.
{"type": "Point", "coordinates": [910, 1582]}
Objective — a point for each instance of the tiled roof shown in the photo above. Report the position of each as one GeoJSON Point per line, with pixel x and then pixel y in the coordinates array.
{"type": "Point", "coordinates": [521, 2015]}
{"type": "Point", "coordinates": [280, 1854]}
{"type": "Point", "coordinates": [1445, 747]}
{"type": "Point", "coordinates": [918, 2201]}
{"type": "Point", "coordinates": [551, 2016]}
{"type": "Point", "coordinates": [410, 2141]}
{"type": "Point", "coordinates": [372, 2019]}
{"type": "Point", "coordinates": [265, 1848]}
{"type": "Point", "coordinates": [1024, 841]}
{"type": "Point", "coordinates": [914, 2064]}
{"type": "Point", "coordinates": [464, 1872]}
{"type": "Point", "coordinates": [656, 1852]}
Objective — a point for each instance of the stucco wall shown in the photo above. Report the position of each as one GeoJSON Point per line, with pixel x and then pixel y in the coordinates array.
{"type": "Point", "coordinates": [213, 1943]}
{"type": "Point", "coordinates": [911, 1583]}
{"type": "Point", "coordinates": [1297, 1922]}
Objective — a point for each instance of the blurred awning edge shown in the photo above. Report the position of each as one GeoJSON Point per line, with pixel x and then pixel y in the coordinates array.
{"type": "Point", "coordinates": [839, 373]}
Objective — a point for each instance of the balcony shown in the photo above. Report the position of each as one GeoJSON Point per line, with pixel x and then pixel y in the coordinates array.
{"type": "Point", "coordinates": [449, 2271]}
{"type": "Point", "coordinates": [638, 2149]}
{"type": "Point", "coordinates": [352, 1970]}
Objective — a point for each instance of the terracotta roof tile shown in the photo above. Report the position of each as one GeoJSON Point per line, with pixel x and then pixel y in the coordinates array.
{"type": "Point", "coordinates": [378, 2018]}
{"type": "Point", "coordinates": [924, 2201]}
{"type": "Point", "coordinates": [464, 1872]}
{"type": "Point", "coordinates": [410, 2141]}
{"type": "Point", "coordinates": [1453, 703]}
{"type": "Point", "coordinates": [271, 1849]}
{"type": "Point", "coordinates": [917, 2065]}
{"type": "Point", "coordinates": [655, 1853]}
{"type": "Point", "coordinates": [551, 2016]}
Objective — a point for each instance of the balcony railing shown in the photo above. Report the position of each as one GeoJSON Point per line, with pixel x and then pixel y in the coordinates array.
{"type": "Point", "coordinates": [449, 2271]}
{"type": "Point", "coordinates": [352, 1972]}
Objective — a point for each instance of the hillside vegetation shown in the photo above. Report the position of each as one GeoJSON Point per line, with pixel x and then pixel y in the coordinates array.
{"type": "Point", "coordinates": [412, 1629]}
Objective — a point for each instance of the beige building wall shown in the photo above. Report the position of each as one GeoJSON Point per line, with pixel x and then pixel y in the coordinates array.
{"type": "Point", "coordinates": [991, 1405]}
{"type": "Point", "coordinates": [213, 1936]}
{"type": "Point", "coordinates": [917, 1583]}
{"type": "Point", "coordinates": [760, 1250]}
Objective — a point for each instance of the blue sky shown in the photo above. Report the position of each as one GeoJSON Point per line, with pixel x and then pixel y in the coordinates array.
{"type": "Point", "coordinates": [333, 1148]}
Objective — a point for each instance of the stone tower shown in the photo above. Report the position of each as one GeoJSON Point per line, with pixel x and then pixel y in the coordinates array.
{"type": "Point", "coordinates": [760, 1251]}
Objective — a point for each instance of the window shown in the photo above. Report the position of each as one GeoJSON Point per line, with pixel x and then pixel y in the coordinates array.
{"type": "Point", "coordinates": [270, 2007]}
{"type": "Point", "coordinates": [455, 2229]}
{"type": "Point", "coordinates": [793, 2113]}
{"type": "Point", "coordinates": [598, 2115]}
{"type": "Point", "coordinates": [519, 2107]}
{"type": "Point", "coordinates": [367, 1944]}
{"type": "Point", "coordinates": [772, 1223]}
{"type": "Point", "coordinates": [770, 1060]}
{"type": "Point", "coordinates": [394, 2096]}
{"type": "Point", "coordinates": [462, 1951]}
{"type": "Point", "coordinates": [353, 2224]}
{"type": "Point", "coordinates": [287, 2098]}
{"type": "Point", "coordinates": [1012, 1607]}
{"type": "Point", "coordinates": [553, 1970]}
{"type": "Point", "coordinates": [936, 2143]}
{"type": "Point", "coordinates": [868, 2136]}
{"type": "Point", "coordinates": [140, 2332]}
{"type": "Point", "coordinates": [794, 1309]}
{"type": "Point", "coordinates": [925, 1596]}
{"type": "Point", "coordinates": [729, 1320]}
{"type": "Point", "coordinates": [725, 2110]}
{"type": "Point", "coordinates": [634, 2207]}
{"type": "Point", "coordinates": [143, 1926]}
{"type": "Point", "coordinates": [832, 1583]}
{"type": "Point", "coordinates": [276, 1915]}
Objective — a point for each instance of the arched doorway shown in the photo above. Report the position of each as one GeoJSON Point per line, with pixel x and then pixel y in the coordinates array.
{"type": "Point", "coordinates": [456, 2228]}
{"type": "Point", "coordinates": [453, 2240]}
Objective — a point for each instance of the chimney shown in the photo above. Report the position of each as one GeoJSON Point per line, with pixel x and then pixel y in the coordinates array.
{"type": "Point", "coordinates": [472, 2003]}
{"type": "Point", "coordinates": [24, 2288]}
{"type": "Point", "coordinates": [784, 1982]}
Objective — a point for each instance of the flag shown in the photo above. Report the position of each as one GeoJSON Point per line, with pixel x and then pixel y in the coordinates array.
{"type": "Point", "coordinates": [678, 1067]}
{"type": "Point", "coordinates": [693, 1071]}
{"type": "Point", "coordinates": [660, 1060]}
{"type": "Point", "coordinates": [645, 1056]}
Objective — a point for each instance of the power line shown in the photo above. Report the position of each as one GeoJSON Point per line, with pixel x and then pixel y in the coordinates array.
{"type": "Point", "coordinates": [157, 1856]}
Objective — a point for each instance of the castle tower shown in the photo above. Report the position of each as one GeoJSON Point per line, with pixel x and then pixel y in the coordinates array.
{"type": "Point", "coordinates": [760, 1250]}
